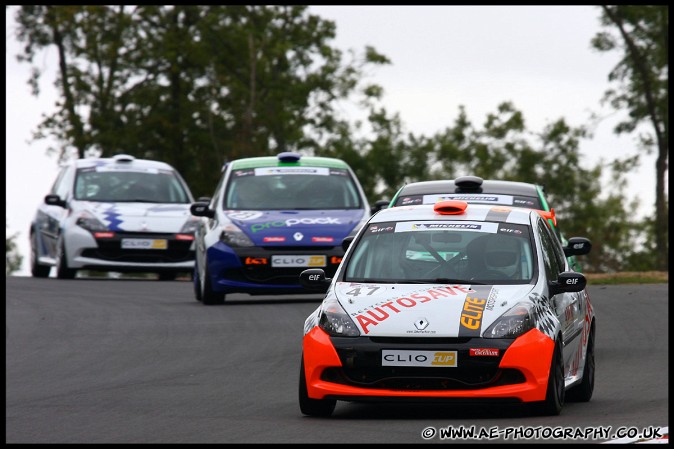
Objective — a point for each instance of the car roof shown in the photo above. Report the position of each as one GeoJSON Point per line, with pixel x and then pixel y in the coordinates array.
{"type": "Point", "coordinates": [488, 186]}
{"type": "Point", "coordinates": [274, 161]}
{"type": "Point", "coordinates": [121, 160]}
{"type": "Point", "coordinates": [472, 212]}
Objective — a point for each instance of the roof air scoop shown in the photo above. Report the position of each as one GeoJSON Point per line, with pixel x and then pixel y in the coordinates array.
{"type": "Point", "coordinates": [289, 156]}
{"type": "Point", "coordinates": [468, 184]}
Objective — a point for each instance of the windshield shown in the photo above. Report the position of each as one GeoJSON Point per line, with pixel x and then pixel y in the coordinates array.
{"type": "Point", "coordinates": [443, 251]}
{"type": "Point", "coordinates": [291, 188]}
{"type": "Point", "coordinates": [105, 184]}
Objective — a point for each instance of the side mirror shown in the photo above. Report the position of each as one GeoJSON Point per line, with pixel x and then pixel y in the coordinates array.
{"type": "Point", "coordinates": [200, 209]}
{"type": "Point", "coordinates": [577, 246]}
{"type": "Point", "coordinates": [347, 242]}
{"type": "Point", "coordinates": [379, 205]}
{"type": "Point", "coordinates": [54, 200]}
{"type": "Point", "coordinates": [314, 279]}
{"type": "Point", "coordinates": [567, 282]}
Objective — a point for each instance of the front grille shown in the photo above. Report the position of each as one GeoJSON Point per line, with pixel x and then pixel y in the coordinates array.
{"type": "Point", "coordinates": [361, 360]}
{"type": "Point", "coordinates": [260, 274]}
{"type": "Point", "coordinates": [397, 378]}
{"type": "Point", "coordinates": [111, 249]}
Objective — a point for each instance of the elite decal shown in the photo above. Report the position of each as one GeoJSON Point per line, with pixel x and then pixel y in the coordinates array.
{"type": "Point", "coordinates": [471, 314]}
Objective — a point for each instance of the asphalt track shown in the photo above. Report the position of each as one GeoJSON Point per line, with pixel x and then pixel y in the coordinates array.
{"type": "Point", "coordinates": [140, 361]}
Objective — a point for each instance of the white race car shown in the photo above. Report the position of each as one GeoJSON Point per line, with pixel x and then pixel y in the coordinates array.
{"type": "Point", "coordinates": [114, 214]}
{"type": "Point", "coordinates": [451, 302]}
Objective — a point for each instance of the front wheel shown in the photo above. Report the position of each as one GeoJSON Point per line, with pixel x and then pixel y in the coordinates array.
{"type": "Point", "coordinates": [208, 296]}
{"type": "Point", "coordinates": [62, 270]}
{"type": "Point", "coordinates": [554, 398]}
{"type": "Point", "coordinates": [583, 391]}
{"type": "Point", "coordinates": [313, 407]}
{"type": "Point", "coordinates": [37, 270]}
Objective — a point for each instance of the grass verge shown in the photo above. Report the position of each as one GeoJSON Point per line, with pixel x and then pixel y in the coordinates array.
{"type": "Point", "coordinates": [635, 277]}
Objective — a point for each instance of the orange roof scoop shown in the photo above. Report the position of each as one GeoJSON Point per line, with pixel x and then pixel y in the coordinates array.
{"type": "Point", "coordinates": [450, 207]}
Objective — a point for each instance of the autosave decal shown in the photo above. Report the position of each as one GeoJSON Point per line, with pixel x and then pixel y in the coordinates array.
{"type": "Point", "coordinates": [473, 310]}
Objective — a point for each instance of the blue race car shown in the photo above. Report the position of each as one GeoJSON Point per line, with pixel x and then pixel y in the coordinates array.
{"type": "Point", "coordinates": [269, 219]}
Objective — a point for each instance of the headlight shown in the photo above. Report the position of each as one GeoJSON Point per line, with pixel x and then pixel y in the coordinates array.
{"type": "Point", "coordinates": [233, 236]}
{"type": "Point", "coordinates": [190, 226]}
{"type": "Point", "coordinates": [90, 223]}
{"type": "Point", "coordinates": [513, 323]}
{"type": "Point", "coordinates": [335, 321]}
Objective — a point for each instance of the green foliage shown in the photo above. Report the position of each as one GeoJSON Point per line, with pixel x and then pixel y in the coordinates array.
{"type": "Point", "coordinates": [641, 34]}
{"type": "Point", "coordinates": [13, 259]}
{"type": "Point", "coordinates": [196, 86]}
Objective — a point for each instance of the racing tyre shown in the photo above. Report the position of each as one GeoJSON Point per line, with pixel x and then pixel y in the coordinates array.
{"type": "Point", "coordinates": [554, 398]}
{"type": "Point", "coordinates": [196, 283]}
{"type": "Point", "coordinates": [62, 270]}
{"type": "Point", "coordinates": [313, 407]}
{"type": "Point", "coordinates": [583, 391]}
{"type": "Point", "coordinates": [208, 296]}
{"type": "Point", "coordinates": [37, 270]}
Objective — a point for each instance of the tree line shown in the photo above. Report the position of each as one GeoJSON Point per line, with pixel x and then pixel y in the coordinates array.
{"type": "Point", "coordinates": [197, 86]}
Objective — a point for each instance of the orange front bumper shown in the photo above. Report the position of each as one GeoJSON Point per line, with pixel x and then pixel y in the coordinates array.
{"type": "Point", "coordinates": [530, 353]}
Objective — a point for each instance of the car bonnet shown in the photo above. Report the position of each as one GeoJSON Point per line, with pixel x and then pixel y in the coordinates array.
{"type": "Point", "coordinates": [434, 310]}
{"type": "Point", "coordinates": [303, 227]}
{"type": "Point", "coordinates": [139, 217]}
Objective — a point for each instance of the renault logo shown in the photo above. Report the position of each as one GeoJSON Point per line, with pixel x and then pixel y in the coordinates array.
{"type": "Point", "coordinates": [421, 323]}
{"type": "Point", "coordinates": [298, 236]}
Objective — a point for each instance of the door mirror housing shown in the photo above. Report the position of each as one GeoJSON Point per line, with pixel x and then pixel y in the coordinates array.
{"type": "Point", "coordinates": [200, 209]}
{"type": "Point", "coordinates": [577, 246]}
{"type": "Point", "coordinates": [54, 200]}
{"type": "Point", "coordinates": [314, 279]}
{"type": "Point", "coordinates": [567, 282]}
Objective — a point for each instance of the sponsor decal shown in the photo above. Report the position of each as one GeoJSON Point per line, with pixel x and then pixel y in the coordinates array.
{"type": "Point", "coordinates": [471, 314]}
{"type": "Point", "coordinates": [244, 215]}
{"type": "Point", "coordinates": [257, 227]}
{"type": "Point", "coordinates": [380, 228]}
{"type": "Point", "coordinates": [512, 229]}
{"type": "Point", "coordinates": [274, 239]}
{"type": "Point", "coordinates": [255, 261]}
{"type": "Point", "coordinates": [411, 200]}
{"type": "Point", "coordinates": [445, 359]}
{"type": "Point", "coordinates": [335, 260]}
{"type": "Point", "coordinates": [489, 352]}
{"type": "Point", "coordinates": [292, 171]}
{"type": "Point", "coordinates": [322, 239]}
{"type": "Point", "coordinates": [382, 310]}
{"type": "Point", "coordinates": [408, 226]}
{"type": "Point", "coordinates": [298, 261]}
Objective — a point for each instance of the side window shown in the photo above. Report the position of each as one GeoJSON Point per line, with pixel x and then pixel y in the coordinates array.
{"type": "Point", "coordinates": [57, 183]}
{"type": "Point", "coordinates": [64, 184]}
{"type": "Point", "coordinates": [557, 248]}
{"type": "Point", "coordinates": [550, 260]}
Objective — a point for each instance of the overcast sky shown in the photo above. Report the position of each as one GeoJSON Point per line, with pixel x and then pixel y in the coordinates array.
{"type": "Point", "coordinates": [537, 57]}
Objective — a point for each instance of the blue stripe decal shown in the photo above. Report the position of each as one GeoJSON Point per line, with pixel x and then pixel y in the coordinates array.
{"type": "Point", "coordinates": [112, 217]}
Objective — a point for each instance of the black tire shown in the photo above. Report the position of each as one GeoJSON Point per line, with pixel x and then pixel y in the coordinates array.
{"type": "Point", "coordinates": [167, 276]}
{"type": "Point", "coordinates": [62, 270]}
{"type": "Point", "coordinates": [556, 392]}
{"type": "Point", "coordinates": [313, 407]}
{"type": "Point", "coordinates": [208, 296]}
{"type": "Point", "coordinates": [196, 283]}
{"type": "Point", "coordinates": [583, 391]}
{"type": "Point", "coordinates": [37, 270]}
